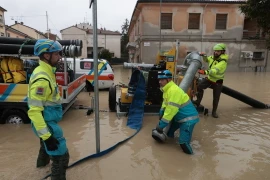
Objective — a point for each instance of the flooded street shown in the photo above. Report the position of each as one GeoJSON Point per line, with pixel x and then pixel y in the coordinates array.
{"type": "Point", "coordinates": [236, 146]}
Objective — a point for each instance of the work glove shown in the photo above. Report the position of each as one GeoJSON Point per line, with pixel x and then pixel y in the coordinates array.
{"type": "Point", "coordinates": [201, 71]}
{"type": "Point", "coordinates": [51, 143]}
{"type": "Point", "coordinates": [205, 72]}
{"type": "Point", "coordinates": [160, 126]}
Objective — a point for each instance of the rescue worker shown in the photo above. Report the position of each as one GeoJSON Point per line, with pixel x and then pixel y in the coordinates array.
{"type": "Point", "coordinates": [178, 110]}
{"type": "Point", "coordinates": [217, 65]}
{"type": "Point", "coordinates": [45, 109]}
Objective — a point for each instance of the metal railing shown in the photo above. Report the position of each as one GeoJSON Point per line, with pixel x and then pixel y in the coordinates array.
{"type": "Point", "coordinates": [252, 35]}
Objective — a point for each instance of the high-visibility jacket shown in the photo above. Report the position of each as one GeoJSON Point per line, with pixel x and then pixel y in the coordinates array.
{"type": "Point", "coordinates": [216, 67]}
{"type": "Point", "coordinates": [45, 108]}
{"type": "Point", "coordinates": [177, 105]}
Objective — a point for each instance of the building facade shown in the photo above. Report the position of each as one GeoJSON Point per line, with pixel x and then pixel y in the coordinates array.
{"type": "Point", "coordinates": [2, 22]}
{"type": "Point", "coordinates": [110, 40]}
{"type": "Point", "coordinates": [31, 32]}
{"type": "Point", "coordinates": [198, 25]}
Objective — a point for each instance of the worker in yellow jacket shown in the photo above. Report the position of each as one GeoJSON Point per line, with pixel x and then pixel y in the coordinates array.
{"type": "Point", "coordinates": [217, 65]}
{"type": "Point", "coordinates": [45, 109]}
{"type": "Point", "coordinates": [177, 111]}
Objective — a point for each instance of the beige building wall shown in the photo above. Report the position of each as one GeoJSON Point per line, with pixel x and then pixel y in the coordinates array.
{"type": "Point", "coordinates": [145, 32]}
{"type": "Point", "coordinates": [2, 23]}
{"type": "Point", "coordinates": [27, 30]}
{"type": "Point", "coordinates": [111, 42]}
{"type": "Point", "coordinates": [14, 35]}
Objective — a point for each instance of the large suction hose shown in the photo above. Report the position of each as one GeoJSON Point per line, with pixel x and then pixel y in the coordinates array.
{"type": "Point", "coordinates": [243, 98]}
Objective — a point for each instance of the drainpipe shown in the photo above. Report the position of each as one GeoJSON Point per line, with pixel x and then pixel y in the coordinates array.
{"type": "Point", "coordinates": [160, 3]}
{"type": "Point", "coordinates": [203, 27]}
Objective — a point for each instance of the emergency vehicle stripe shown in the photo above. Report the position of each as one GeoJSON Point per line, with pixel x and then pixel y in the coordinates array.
{"type": "Point", "coordinates": [101, 70]}
{"type": "Point", "coordinates": [18, 93]}
{"type": "Point", "coordinates": [3, 87]}
{"type": "Point", "coordinates": [7, 92]}
{"type": "Point", "coordinates": [91, 78]}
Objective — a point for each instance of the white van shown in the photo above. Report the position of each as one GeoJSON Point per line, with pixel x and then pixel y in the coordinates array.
{"type": "Point", "coordinates": [86, 66]}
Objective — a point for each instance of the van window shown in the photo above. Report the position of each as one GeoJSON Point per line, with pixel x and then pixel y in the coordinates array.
{"type": "Point", "coordinates": [88, 65]}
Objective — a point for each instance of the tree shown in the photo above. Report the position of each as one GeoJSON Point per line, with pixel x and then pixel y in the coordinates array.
{"type": "Point", "coordinates": [124, 38]}
{"type": "Point", "coordinates": [105, 54]}
{"type": "Point", "coordinates": [258, 10]}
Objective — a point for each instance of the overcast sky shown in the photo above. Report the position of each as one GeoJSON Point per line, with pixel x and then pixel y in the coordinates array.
{"type": "Point", "coordinates": [64, 13]}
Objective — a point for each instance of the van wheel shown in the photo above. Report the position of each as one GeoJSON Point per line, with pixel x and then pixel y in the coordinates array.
{"type": "Point", "coordinates": [112, 98]}
{"type": "Point", "coordinates": [14, 116]}
{"type": "Point", "coordinates": [89, 86]}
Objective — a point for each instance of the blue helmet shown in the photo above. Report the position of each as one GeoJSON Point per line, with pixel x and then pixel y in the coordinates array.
{"type": "Point", "coordinates": [166, 74]}
{"type": "Point", "coordinates": [46, 46]}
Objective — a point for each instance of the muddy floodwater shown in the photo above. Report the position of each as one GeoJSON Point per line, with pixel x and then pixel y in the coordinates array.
{"type": "Point", "coordinates": [234, 147]}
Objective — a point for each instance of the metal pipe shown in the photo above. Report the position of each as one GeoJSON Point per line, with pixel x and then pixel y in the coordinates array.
{"type": "Point", "coordinates": [194, 62]}
{"type": "Point", "coordinates": [47, 25]}
{"type": "Point", "coordinates": [65, 71]}
{"type": "Point", "coordinates": [96, 76]}
{"type": "Point", "coordinates": [74, 68]}
{"type": "Point", "coordinates": [203, 26]}
{"type": "Point", "coordinates": [160, 25]}
{"type": "Point", "coordinates": [176, 59]}
{"type": "Point", "coordinates": [136, 65]}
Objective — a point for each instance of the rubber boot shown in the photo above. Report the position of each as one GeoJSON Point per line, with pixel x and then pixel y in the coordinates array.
{"type": "Point", "coordinates": [199, 97]}
{"type": "Point", "coordinates": [186, 148]}
{"type": "Point", "coordinates": [43, 158]}
{"type": "Point", "coordinates": [59, 166]}
{"type": "Point", "coordinates": [216, 96]}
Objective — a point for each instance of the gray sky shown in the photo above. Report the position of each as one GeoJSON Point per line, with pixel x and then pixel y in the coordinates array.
{"type": "Point", "coordinates": [64, 13]}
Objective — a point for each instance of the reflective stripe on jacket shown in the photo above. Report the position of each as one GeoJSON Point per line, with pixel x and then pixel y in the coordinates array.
{"type": "Point", "coordinates": [44, 100]}
{"type": "Point", "coordinates": [176, 104]}
{"type": "Point", "coordinates": [216, 68]}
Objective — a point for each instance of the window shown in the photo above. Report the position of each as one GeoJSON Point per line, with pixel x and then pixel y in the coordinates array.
{"type": "Point", "coordinates": [2, 34]}
{"type": "Point", "coordinates": [258, 56]}
{"type": "Point", "coordinates": [194, 21]}
{"type": "Point", "coordinates": [221, 21]}
{"type": "Point", "coordinates": [166, 20]}
{"type": "Point", "coordinates": [88, 65]}
{"type": "Point", "coordinates": [8, 34]}
{"type": "Point", "coordinates": [1, 19]}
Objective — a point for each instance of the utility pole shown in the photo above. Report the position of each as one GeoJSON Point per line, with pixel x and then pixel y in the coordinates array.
{"type": "Point", "coordinates": [160, 2]}
{"type": "Point", "coordinates": [47, 26]}
{"type": "Point", "coordinates": [95, 52]}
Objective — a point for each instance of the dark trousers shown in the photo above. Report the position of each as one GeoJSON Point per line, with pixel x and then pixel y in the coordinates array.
{"type": "Point", "coordinates": [217, 88]}
{"type": "Point", "coordinates": [59, 163]}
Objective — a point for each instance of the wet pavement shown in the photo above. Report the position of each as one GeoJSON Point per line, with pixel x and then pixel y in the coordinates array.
{"type": "Point", "coordinates": [235, 146]}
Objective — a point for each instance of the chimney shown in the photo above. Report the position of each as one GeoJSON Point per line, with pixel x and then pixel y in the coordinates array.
{"type": "Point", "coordinates": [21, 23]}
{"type": "Point", "coordinates": [16, 22]}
